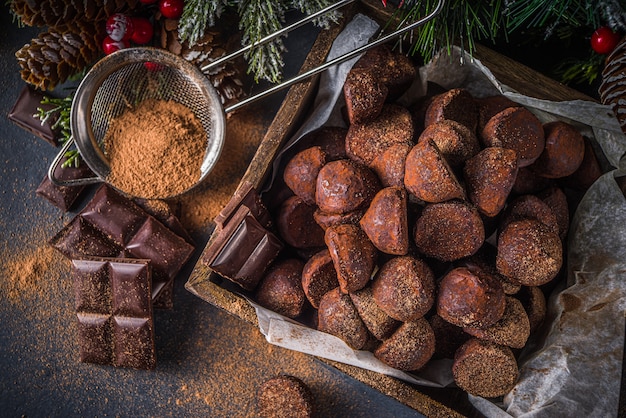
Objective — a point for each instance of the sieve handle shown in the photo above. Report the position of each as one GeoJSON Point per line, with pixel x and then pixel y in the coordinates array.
{"type": "Point", "coordinates": [66, 183]}
{"type": "Point", "coordinates": [301, 77]}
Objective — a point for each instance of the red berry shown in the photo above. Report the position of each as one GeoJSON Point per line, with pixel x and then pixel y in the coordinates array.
{"type": "Point", "coordinates": [110, 45]}
{"type": "Point", "coordinates": [171, 9]}
{"type": "Point", "coordinates": [604, 40]}
{"type": "Point", "coordinates": [119, 26]}
{"type": "Point", "coordinates": [142, 30]}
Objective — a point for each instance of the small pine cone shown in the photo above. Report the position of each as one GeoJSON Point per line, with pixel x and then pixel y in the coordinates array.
{"type": "Point", "coordinates": [228, 77]}
{"type": "Point", "coordinates": [56, 13]}
{"type": "Point", "coordinates": [55, 55]}
{"type": "Point", "coordinates": [613, 87]}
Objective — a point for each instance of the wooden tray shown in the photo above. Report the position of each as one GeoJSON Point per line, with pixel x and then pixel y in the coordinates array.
{"type": "Point", "coordinates": [203, 282]}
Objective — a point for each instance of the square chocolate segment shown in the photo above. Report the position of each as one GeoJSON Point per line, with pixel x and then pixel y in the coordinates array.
{"type": "Point", "coordinates": [114, 311]}
{"type": "Point", "coordinates": [24, 111]}
{"type": "Point", "coordinates": [64, 197]}
{"type": "Point", "coordinates": [243, 250]}
{"type": "Point", "coordinates": [114, 215]}
{"type": "Point", "coordinates": [79, 239]}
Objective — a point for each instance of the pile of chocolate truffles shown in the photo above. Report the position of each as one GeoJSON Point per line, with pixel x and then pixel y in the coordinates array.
{"type": "Point", "coordinates": [422, 232]}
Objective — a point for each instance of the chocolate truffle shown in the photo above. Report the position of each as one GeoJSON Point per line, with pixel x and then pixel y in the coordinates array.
{"type": "Point", "coordinates": [353, 254]}
{"type": "Point", "coordinates": [488, 107]}
{"type": "Point", "coordinates": [326, 220]}
{"type": "Point", "coordinates": [389, 165]}
{"type": "Point", "coordinates": [365, 141]}
{"type": "Point", "coordinates": [489, 178]}
{"type": "Point", "coordinates": [588, 171]}
{"type": "Point", "coordinates": [281, 288]}
{"type": "Point", "coordinates": [563, 152]}
{"type": "Point", "coordinates": [470, 298]}
{"type": "Point", "coordinates": [318, 277]}
{"type": "Point", "coordinates": [409, 347]}
{"type": "Point", "coordinates": [486, 369]}
{"type": "Point", "coordinates": [338, 316]}
{"type": "Point", "coordinates": [332, 140]}
{"type": "Point", "coordinates": [556, 199]}
{"type": "Point", "coordinates": [385, 221]}
{"type": "Point", "coordinates": [285, 396]}
{"type": "Point", "coordinates": [365, 95]}
{"type": "Point", "coordinates": [375, 319]}
{"type": "Point", "coordinates": [512, 330]}
{"type": "Point", "coordinates": [455, 104]}
{"type": "Point", "coordinates": [428, 176]}
{"type": "Point", "coordinates": [296, 224]}
{"type": "Point", "coordinates": [529, 252]}
{"type": "Point", "coordinates": [404, 288]}
{"type": "Point", "coordinates": [534, 302]}
{"type": "Point", "coordinates": [449, 231]}
{"type": "Point", "coordinates": [518, 129]}
{"type": "Point", "coordinates": [530, 207]}
{"type": "Point", "coordinates": [529, 182]}
{"type": "Point", "coordinates": [455, 141]}
{"type": "Point", "coordinates": [448, 337]}
{"type": "Point", "coordinates": [301, 171]}
{"type": "Point", "coordinates": [344, 186]}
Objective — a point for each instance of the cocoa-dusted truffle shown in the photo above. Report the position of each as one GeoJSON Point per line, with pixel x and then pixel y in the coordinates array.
{"type": "Point", "coordinates": [404, 288]}
{"type": "Point", "coordinates": [448, 337]}
{"type": "Point", "coordinates": [485, 261]}
{"type": "Point", "coordinates": [470, 298]}
{"type": "Point", "coordinates": [365, 141]}
{"type": "Point", "coordinates": [486, 369]}
{"type": "Point", "coordinates": [326, 220]}
{"type": "Point", "coordinates": [556, 199]}
{"type": "Point", "coordinates": [529, 252]}
{"type": "Point", "coordinates": [318, 277]}
{"type": "Point", "coordinates": [449, 231]}
{"type": "Point", "coordinates": [588, 171]}
{"type": "Point", "coordinates": [534, 302]}
{"type": "Point", "coordinates": [455, 141]}
{"type": "Point", "coordinates": [353, 254]}
{"type": "Point", "coordinates": [488, 107]}
{"type": "Point", "coordinates": [389, 166]}
{"type": "Point", "coordinates": [563, 152]}
{"type": "Point", "coordinates": [489, 178]}
{"type": "Point", "coordinates": [365, 95]}
{"type": "Point", "coordinates": [385, 221]}
{"type": "Point", "coordinates": [332, 140]}
{"type": "Point", "coordinates": [512, 330]}
{"type": "Point", "coordinates": [409, 347]}
{"type": "Point", "coordinates": [375, 319]}
{"type": "Point", "coordinates": [528, 182]}
{"type": "Point", "coordinates": [393, 68]}
{"type": "Point", "coordinates": [281, 288]}
{"type": "Point", "coordinates": [344, 186]}
{"type": "Point", "coordinates": [428, 176]}
{"type": "Point", "coordinates": [530, 207]}
{"type": "Point", "coordinates": [518, 129]}
{"type": "Point", "coordinates": [285, 396]}
{"type": "Point", "coordinates": [455, 104]}
{"type": "Point", "coordinates": [301, 171]}
{"type": "Point", "coordinates": [338, 316]}
{"type": "Point", "coordinates": [296, 224]}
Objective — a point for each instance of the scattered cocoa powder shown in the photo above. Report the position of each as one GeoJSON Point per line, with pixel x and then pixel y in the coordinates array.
{"type": "Point", "coordinates": [24, 272]}
{"type": "Point", "coordinates": [155, 150]}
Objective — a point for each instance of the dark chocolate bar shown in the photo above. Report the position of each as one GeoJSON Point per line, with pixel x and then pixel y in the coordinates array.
{"type": "Point", "coordinates": [111, 225]}
{"type": "Point", "coordinates": [243, 250]}
{"type": "Point", "coordinates": [64, 197]}
{"type": "Point", "coordinates": [246, 196]}
{"type": "Point", "coordinates": [114, 311]}
{"type": "Point", "coordinates": [24, 111]}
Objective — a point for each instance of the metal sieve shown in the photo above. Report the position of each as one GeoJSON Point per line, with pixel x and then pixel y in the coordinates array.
{"type": "Point", "coordinates": [129, 76]}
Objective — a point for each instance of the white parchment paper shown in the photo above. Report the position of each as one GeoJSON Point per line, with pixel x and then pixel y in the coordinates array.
{"type": "Point", "coordinates": [574, 368]}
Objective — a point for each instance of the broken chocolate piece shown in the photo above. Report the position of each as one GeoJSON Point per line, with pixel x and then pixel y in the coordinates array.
{"type": "Point", "coordinates": [24, 111]}
{"type": "Point", "coordinates": [114, 312]}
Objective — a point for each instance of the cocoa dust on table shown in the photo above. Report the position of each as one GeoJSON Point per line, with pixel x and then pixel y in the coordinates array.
{"type": "Point", "coordinates": [155, 150]}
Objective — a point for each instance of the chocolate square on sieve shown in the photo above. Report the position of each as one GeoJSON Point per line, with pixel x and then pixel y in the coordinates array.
{"type": "Point", "coordinates": [24, 111]}
{"type": "Point", "coordinates": [114, 215]}
{"type": "Point", "coordinates": [243, 250]}
{"type": "Point", "coordinates": [64, 197]}
{"type": "Point", "coordinates": [114, 311]}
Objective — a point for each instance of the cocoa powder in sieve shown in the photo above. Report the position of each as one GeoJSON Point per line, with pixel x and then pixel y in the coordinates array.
{"type": "Point", "coordinates": [155, 150]}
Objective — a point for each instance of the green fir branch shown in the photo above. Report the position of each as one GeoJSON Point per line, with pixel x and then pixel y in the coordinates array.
{"type": "Point", "coordinates": [580, 71]}
{"type": "Point", "coordinates": [61, 110]}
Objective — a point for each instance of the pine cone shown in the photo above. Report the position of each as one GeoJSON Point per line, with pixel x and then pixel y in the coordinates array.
{"type": "Point", "coordinates": [226, 78]}
{"type": "Point", "coordinates": [613, 87]}
{"type": "Point", "coordinates": [54, 13]}
{"type": "Point", "coordinates": [55, 55]}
